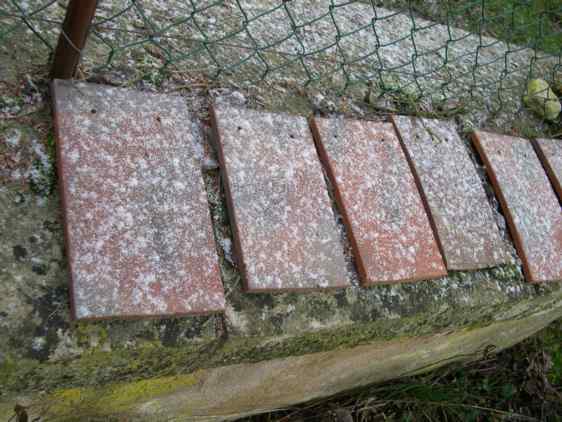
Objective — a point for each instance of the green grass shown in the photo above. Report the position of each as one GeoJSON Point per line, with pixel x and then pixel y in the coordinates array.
{"type": "Point", "coordinates": [533, 23]}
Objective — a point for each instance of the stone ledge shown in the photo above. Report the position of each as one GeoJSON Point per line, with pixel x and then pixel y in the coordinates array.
{"type": "Point", "coordinates": [43, 351]}
{"type": "Point", "coordinates": [217, 394]}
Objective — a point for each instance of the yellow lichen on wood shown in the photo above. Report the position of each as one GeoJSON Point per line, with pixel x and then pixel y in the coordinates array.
{"type": "Point", "coordinates": [117, 398]}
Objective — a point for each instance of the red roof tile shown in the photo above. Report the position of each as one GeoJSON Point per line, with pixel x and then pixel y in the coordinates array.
{"type": "Point", "coordinates": [391, 234]}
{"type": "Point", "coordinates": [139, 237]}
{"type": "Point", "coordinates": [285, 230]}
{"type": "Point", "coordinates": [550, 154]}
{"type": "Point", "coordinates": [528, 201]}
{"type": "Point", "coordinates": [462, 216]}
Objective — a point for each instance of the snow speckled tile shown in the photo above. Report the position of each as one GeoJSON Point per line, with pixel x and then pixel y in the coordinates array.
{"type": "Point", "coordinates": [462, 216]}
{"type": "Point", "coordinates": [532, 210]}
{"type": "Point", "coordinates": [286, 236]}
{"type": "Point", "coordinates": [138, 228]}
{"type": "Point", "coordinates": [550, 154]}
{"type": "Point", "coordinates": [391, 234]}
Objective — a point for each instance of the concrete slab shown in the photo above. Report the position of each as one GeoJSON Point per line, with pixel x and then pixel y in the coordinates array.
{"type": "Point", "coordinates": [461, 214]}
{"type": "Point", "coordinates": [138, 228]}
{"type": "Point", "coordinates": [528, 201]}
{"type": "Point", "coordinates": [390, 231]}
{"type": "Point", "coordinates": [284, 228]}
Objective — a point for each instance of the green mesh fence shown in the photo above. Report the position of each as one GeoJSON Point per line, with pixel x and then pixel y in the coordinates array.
{"type": "Point", "coordinates": [435, 49]}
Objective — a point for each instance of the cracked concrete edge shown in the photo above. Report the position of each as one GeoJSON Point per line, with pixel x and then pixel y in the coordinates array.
{"type": "Point", "coordinates": [217, 393]}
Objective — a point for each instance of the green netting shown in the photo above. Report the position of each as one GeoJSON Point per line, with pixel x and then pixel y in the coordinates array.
{"type": "Point", "coordinates": [421, 49]}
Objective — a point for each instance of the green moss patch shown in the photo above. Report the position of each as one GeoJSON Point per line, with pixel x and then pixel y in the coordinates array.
{"type": "Point", "coordinates": [119, 397]}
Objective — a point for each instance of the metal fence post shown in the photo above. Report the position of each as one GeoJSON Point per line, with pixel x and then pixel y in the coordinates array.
{"type": "Point", "coordinates": [75, 28]}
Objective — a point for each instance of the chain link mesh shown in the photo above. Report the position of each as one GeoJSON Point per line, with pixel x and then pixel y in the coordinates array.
{"type": "Point", "coordinates": [420, 49]}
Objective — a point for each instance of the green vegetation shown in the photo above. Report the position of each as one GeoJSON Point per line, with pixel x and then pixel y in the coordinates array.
{"type": "Point", "coordinates": [532, 23]}
{"type": "Point", "coordinates": [535, 23]}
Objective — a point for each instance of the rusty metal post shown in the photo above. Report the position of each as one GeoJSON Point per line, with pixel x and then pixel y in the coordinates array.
{"type": "Point", "coordinates": [75, 29]}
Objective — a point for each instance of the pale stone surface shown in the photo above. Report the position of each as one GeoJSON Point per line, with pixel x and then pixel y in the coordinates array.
{"type": "Point", "coordinates": [22, 156]}
{"type": "Point", "coordinates": [445, 62]}
{"type": "Point", "coordinates": [233, 391]}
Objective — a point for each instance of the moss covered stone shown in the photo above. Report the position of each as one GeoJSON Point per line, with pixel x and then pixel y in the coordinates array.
{"type": "Point", "coordinates": [231, 390]}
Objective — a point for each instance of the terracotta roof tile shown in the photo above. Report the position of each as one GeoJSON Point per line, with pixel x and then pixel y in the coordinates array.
{"type": "Point", "coordinates": [391, 234]}
{"type": "Point", "coordinates": [139, 237]}
{"type": "Point", "coordinates": [550, 154]}
{"type": "Point", "coordinates": [285, 230]}
{"type": "Point", "coordinates": [528, 200]}
{"type": "Point", "coordinates": [462, 216]}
